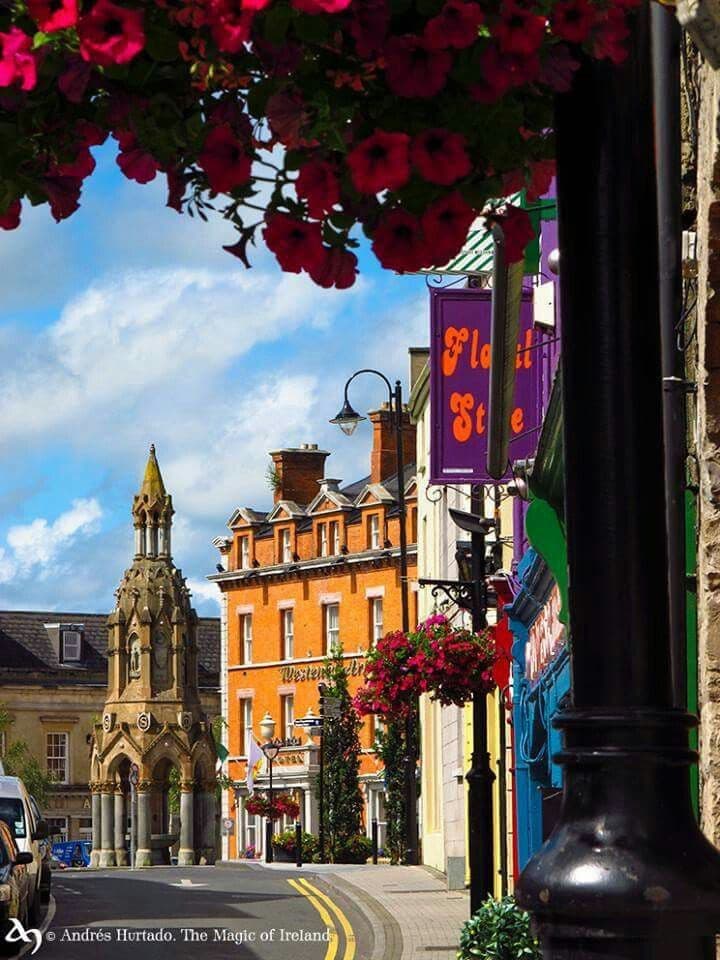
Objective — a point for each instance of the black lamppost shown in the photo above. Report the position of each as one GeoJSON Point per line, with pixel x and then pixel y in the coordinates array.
{"type": "Point", "coordinates": [626, 873]}
{"type": "Point", "coordinates": [271, 748]}
{"type": "Point", "coordinates": [348, 419]}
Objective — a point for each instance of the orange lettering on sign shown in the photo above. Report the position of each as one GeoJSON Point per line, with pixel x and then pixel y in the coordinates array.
{"type": "Point", "coordinates": [480, 419]}
{"type": "Point", "coordinates": [517, 420]}
{"type": "Point", "coordinates": [462, 404]}
{"type": "Point", "coordinates": [454, 340]}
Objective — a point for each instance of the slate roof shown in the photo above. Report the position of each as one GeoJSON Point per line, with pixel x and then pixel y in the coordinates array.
{"type": "Point", "coordinates": [27, 654]}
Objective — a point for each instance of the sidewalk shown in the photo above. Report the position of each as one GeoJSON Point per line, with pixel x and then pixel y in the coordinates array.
{"type": "Point", "coordinates": [428, 915]}
{"type": "Point", "coordinates": [414, 916]}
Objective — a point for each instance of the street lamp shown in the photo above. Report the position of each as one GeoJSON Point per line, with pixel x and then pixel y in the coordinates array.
{"type": "Point", "coordinates": [348, 419]}
{"type": "Point", "coordinates": [314, 727]}
{"type": "Point", "coordinates": [271, 748]}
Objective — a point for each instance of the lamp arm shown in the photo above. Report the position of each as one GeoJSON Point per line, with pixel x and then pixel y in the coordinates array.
{"type": "Point", "coordinates": [377, 374]}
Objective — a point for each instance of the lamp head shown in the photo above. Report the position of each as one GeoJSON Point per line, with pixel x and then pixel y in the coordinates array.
{"type": "Point", "coordinates": [267, 727]}
{"type": "Point", "coordinates": [348, 418]}
{"type": "Point", "coordinates": [471, 523]}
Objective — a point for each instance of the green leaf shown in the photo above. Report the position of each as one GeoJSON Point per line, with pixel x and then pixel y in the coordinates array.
{"type": "Point", "coordinates": [161, 44]}
{"type": "Point", "coordinates": [276, 23]}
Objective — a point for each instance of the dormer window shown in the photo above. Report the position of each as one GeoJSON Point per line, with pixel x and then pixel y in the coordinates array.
{"type": "Point", "coordinates": [244, 553]}
{"type": "Point", "coordinates": [70, 645]}
{"type": "Point", "coordinates": [335, 537]}
{"type": "Point", "coordinates": [374, 532]}
{"type": "Point", "coordinates": [285, 546]}
{"type": "Point", "coordinates": [323, 540]}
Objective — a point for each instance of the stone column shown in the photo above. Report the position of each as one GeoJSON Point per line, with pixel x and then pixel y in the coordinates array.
{"type": "Point", "coordinates": [143, 855]}
{"type": "Point", "coordinates": [121, 853]}
{"type": "Point", "coordinates": [312, 816]}
{"type": "Point", "coordinates": [107, 852]}
{"type": "Point", "coordinates": [186, 853]}
{"type": "Point", "coordinates": [96, 825]}
{"type": "Point", "coordinates": [209, 808]}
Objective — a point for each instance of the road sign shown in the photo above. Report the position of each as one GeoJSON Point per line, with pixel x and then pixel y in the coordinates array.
{"type": "Point", "coordinates": [309, 722]}
{"type": "Point", "coordinates": [228, 825]}
{"type": "Point", "coordinates": [134, 775]}
{"type": "Point", "coordinates": [331, 713]}
{"type": "Point", "coordinates": [330, 701]}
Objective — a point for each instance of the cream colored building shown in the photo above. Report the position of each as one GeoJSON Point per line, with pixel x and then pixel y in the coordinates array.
{"type": "Point", "coordinates": [446, 732]}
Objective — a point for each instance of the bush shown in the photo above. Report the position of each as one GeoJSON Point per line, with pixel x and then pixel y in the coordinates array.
{"type": "Point", "coordinates": [355, 849]}
{"type": "Point", "coordinates": [499, 930]}
{"type": "Point", "coordinates": [286, 840]}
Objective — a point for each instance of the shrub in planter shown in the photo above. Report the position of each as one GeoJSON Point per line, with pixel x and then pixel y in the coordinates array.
{"type": "Point", "coordinates": [286, 841]}
{"type": "Point", "coordinates": [499, 930]}
{"type": "Point", "coordinates": [356, 849]}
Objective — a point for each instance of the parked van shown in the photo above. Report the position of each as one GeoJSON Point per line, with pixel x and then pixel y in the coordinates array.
{"type": "Point", "coordinates": [29, 831]}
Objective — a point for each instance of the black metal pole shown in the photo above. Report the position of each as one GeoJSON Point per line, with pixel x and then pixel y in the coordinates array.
{"type": "Point", "coordinates": [666, 35]}
{"type": "Point", "coordinates": [374, 835]}
{"type": "Point", "coordinates": [480, 776]}
{"type": "Point", "coordinates": [411, 721]}
{"type": "Point", "coordinates": [269, 822]}
{"type": "Point", "coordinates": [626, 873]}
{"type": "Point", "coordinates": [298, 844]}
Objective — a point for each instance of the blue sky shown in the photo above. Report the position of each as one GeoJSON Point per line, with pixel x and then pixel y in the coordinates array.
{"type": "Point", "coordinates": [128, 324]}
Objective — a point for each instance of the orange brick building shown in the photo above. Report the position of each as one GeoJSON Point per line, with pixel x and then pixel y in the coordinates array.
{"type": "Point", "coordinates": [319, 570]}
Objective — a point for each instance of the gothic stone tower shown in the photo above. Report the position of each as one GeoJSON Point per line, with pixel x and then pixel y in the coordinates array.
{"type": "Point", "coordinates": [153, 719]}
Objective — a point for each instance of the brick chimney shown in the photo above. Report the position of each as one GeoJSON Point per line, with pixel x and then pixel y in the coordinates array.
{"type": "Point", "coordinates": [297, 472]}
{"type": "Point", "coordinates": [383, 461]}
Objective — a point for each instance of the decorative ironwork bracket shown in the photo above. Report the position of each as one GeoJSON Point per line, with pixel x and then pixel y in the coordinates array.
{"type": "Point", "coordinates": [460, 592]}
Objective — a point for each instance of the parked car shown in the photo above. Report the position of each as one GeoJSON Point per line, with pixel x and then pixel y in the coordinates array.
{"type": "Point", "coordinates": [28, 832]}
{"type": "Point", "coordinates": [46, 856]}
{"type": "Point", "coordinates": [15, 886]}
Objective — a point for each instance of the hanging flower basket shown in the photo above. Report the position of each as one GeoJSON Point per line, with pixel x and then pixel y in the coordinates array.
{"type": "Point", "coordinates": [282, 806]}
{"type": "Point", "coordinates": [448, 663]}
{"type": "Point", "coordinates": [302, 122]}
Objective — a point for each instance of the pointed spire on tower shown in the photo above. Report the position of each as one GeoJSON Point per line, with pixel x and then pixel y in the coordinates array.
{"type": "Point", "coordinates": [152, 484]}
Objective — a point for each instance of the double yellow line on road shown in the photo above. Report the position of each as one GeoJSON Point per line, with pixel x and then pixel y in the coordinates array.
{"type": "Point", "coordinates": [329, 912]}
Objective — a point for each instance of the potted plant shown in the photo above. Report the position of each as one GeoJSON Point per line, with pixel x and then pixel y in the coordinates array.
{"type": "Point", "coordinates": [285, 847]}
{"type": "Point", "coordinates": [499, 930]}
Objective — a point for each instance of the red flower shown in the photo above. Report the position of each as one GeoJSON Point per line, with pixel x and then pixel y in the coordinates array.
{"type": "Point", "coordinates": [231, 21]}
{"type": "Point", "coordinates": [519, 30]}
{"type": "Point", "coordinates": [517, 229]}
{"type": "Point", "coordinates": [380, 162]}
{"type": "Point", "coordinates": [440, 156]}
{"type": "Point", "coordinates": [111, 34]}
{"type": "Point", "coordinates": [321, 6]}
{"type": "Point", "coordinates": [572, 20]}
{"type": "Point", "coordinates": [224, 160]}
{"type": "Point", "coordinates": [74, 79]}
{"type": "Point", "coordinates": [610, 36]}
{"type": "Point", "coordinates": [369, 26]}
{"type": "Point", "coordinates": [338, 269]}
{"type": "Point", "coordinates": [82, 166]}
{"type": "Point", "coordinates": [446, 224]}
{"type": "Point", "coordinates": [399, 243]}
{"type": "Point", "coordinates": [287, 116]}
{"type": "Point", "coordinates": [135, 162]}
{"type": "Point", "coordinates": [297, 244]}
{"type": "Point", "coordinates": [17, 62]}
{"type": "Point", "coordinates": [64, 196]}
{"type": "Point", "coordinates": [541, 175]}
{"type": "Point", "coordinates": [558, 68]}
{"type": "Point", "coordinates": [176, 188]}
{"type": "Point", "coordinates": [502, 72]}
{"type": "Point", "coordinates": [318, 184]}
{"type": "Point", "coordinates": [10, 219]}
{"type": "Point", "coordinates": [54, 15]}
{"type": "Point", "coordinates": [413, 69]}
{"type": "Point", "coordinates": [455, 26]}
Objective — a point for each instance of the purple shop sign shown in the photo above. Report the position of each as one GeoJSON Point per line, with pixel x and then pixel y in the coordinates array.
{"type": "Point", "coordinates": [460, 385]}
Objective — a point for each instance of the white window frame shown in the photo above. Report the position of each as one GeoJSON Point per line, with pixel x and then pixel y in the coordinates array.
{"type": "Point", "coordinates": [288, 715]}
{"type": "Point", "coordinates": [323, 540]}
{"type": "Point", "coordinates": [334, 537]}
{"type": "Point", "coordinates": [245, 553]}
{"type": "Point", "coordinates": [376, 619]}
{"type": "Point", "coordinates": [246, 706]}
{"type": "Point", "coordinates": [374, 531]}
{"type": "Point", "coordinates": [75, 636]}
{"type": "Point", "coordinates": [247, 637]}
{"type": "Point", "coordinates": [3, 743]}
{"type": "Point", "coordinates": [288, 631]}
{"type": "Point", "coordinates": [286, 546]}
{"type": "Point", "coordinates": [55, 754]}
{"type": "Point", "coordinates": [332, 634]}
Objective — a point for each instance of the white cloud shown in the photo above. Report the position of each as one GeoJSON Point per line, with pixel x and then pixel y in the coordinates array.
{"type": "Point", "coordinates": [36, 547]}
{"type": "Point", "coordinates": [204, 592]}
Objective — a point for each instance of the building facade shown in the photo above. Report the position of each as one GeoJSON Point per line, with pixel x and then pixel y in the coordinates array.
{"type": "Point", "coordinates": [318, 571]}
{"type": "Point", "coordinates": [54, 683]}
